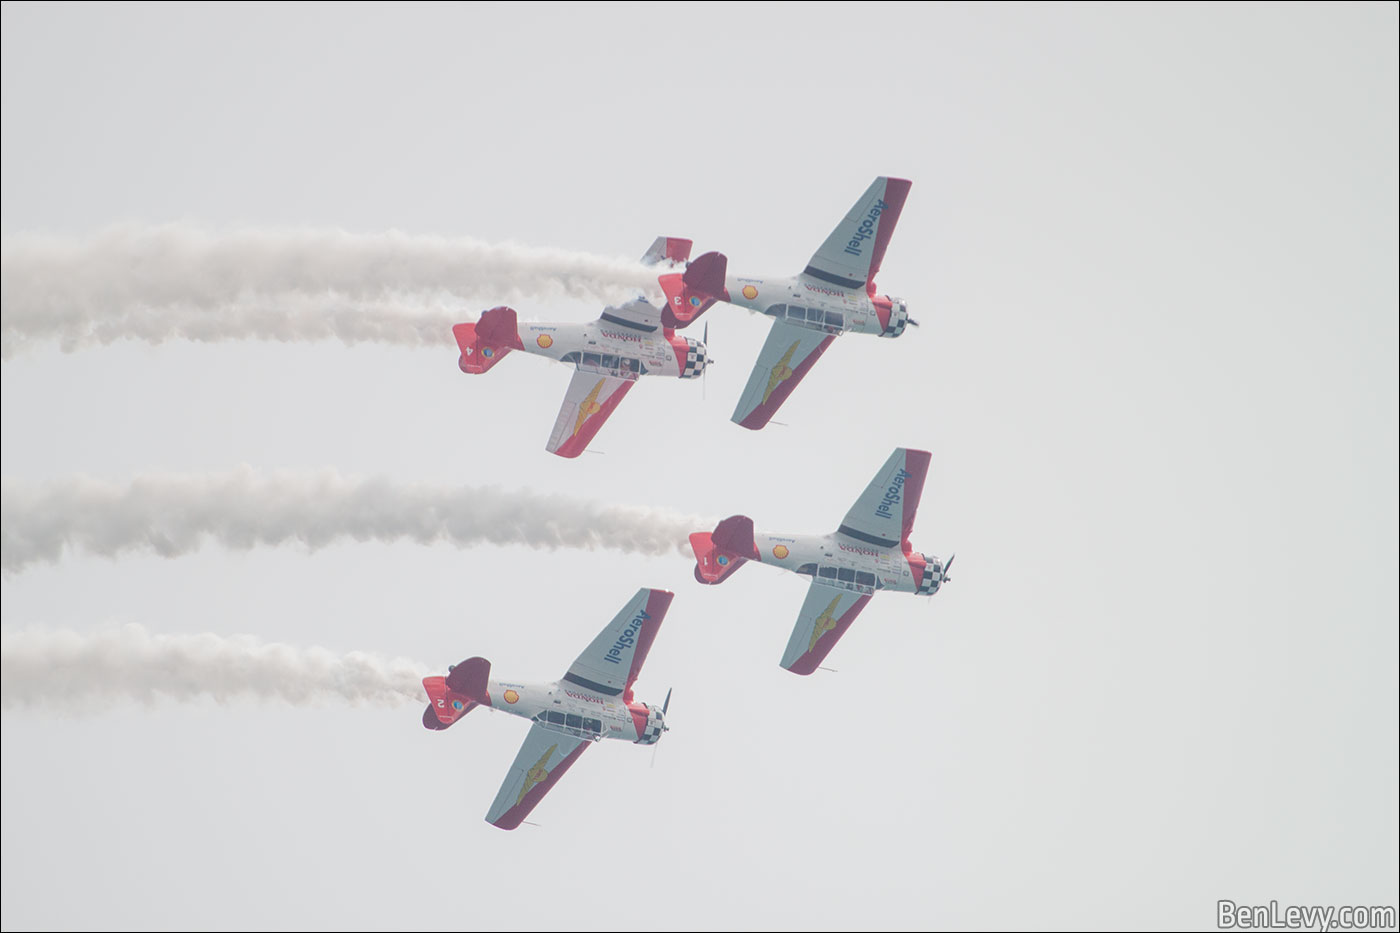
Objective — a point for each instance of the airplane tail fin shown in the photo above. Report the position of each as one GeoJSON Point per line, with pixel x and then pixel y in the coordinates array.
{"type": "Point", "coordinates": [463, 689]}
{"type": "Point", "coordinates": [721, 552]}
{"type": "Point", "coordinates": [445, 706]}
{"type": "Point", "coordinates": [667, 248]}
{"type": "Point", "coordinates": [484, 342]}
{"type": "Point", "coordinates": [691, 294]}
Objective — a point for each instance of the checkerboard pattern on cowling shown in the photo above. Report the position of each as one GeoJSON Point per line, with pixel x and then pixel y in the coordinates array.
{"type": "Point", "coordinates": [651, 733]}
{"type": "Point", "coordinates": [928, 583]}
{"type": "Point", "coordinates": [694, 360]}
{"type": "Point", "coordinates": [899, 319]}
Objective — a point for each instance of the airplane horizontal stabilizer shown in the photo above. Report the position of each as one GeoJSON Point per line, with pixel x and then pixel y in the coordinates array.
{"type": "Point", "coordinates": [471, 678]}
{"type": "Point", "coordinates": [723, 551]}
{"type": "Point", "coordinates": [445, 705]}
{"type": "Point", "coordinates": [486, 341]}
{"type": "Point", "coordinates": [672, 249]}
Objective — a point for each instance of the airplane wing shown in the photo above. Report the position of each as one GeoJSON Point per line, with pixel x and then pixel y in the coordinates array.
{"type": "Point", "coordinates": [539, 764]}
{"type": "Point", "coordinates": [611, 663]}
{"type": "Point", "coordinates": [884, 513]}
{"type": "Point", "coordinates": [826, 614]}
{"type": "Point", "coordinates": [588, 403]}
{"type": "Point", "coordinates": [851, 256]}
{"type": "Point", "coordinates": [787, 355]}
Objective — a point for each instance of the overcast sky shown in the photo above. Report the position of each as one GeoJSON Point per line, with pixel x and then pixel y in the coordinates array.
{"type": "Point", "coordinates": [1153, 251]}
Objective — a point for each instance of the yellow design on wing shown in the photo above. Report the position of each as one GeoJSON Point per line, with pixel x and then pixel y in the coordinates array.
{"type": "Point", "coordinates": [825, 622]}
{"type": "Point", "coordinates": [588, 407]}
{"type": "Point", "coordinates": [536, 773]}
{"type": "Point", "coordinates": [781, 371]}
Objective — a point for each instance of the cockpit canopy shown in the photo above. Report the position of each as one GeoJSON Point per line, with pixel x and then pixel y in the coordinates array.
{"type": "Point", "coordinates": [832, 322]}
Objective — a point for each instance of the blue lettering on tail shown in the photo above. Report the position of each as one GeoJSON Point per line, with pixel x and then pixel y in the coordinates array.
{"type": "Point", "coordinates": [893, 495]}
{"type": "Point", "coordinates": [866, 230]}
{"type": "Point", "coordinates": [626, 639]}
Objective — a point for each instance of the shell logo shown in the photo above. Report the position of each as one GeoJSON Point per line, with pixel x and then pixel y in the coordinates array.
{"type": "Point", "coordinates": [780, 551]}
{"type": "Point", "coordinates": [750, 292]}
{"type": "Point", "coordinates": [545, 341]}
{"type": "Point", "coordinates": [511, 696]}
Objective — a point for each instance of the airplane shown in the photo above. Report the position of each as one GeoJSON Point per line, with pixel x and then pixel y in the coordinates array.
{"type": "Point", "coordinates": [608, 355]}
{"type": "Point", "coordinates": [833, 295]}
{"type": "Point", "coordinates": [591, 702]}
{"type": "Point", "coordinates": [869, 552]}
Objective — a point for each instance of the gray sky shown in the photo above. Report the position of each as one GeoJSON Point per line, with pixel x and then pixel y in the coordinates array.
{"type": "Point", "coordinates": [1154, 254]}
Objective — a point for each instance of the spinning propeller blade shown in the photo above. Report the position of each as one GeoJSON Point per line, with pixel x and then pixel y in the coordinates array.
{"type": "Point", "coordinates": [704, 378]}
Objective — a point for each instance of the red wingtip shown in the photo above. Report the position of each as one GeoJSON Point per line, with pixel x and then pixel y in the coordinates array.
{"type": "Point", "coordinates": [757, 419]}
{"type": "Point", "coordinates": [516, 814]}
{"type": "Point", "coordinates": [811, 660]}
{"type": "Point", "coordinates": [579, 441]}
{"type": "Point", "coordinates": [896, 190]}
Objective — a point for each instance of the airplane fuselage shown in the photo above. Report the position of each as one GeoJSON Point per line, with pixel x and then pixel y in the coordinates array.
{"type": "Point", "coordinates": [807, 301]}
{"type": "Point", "coordinates": [841, 561]}
{"type": "Point", "coordinates": [577, 711]}
{"type": "Point", "coordinates": [615, 347]}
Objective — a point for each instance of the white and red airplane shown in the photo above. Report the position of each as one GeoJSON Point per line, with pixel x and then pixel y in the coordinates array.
{"type": "Point", "coordinates": [608, 355]}
{"type": "Point", "coordinates": [834, 295]}
{"type": "Point", "coordinates": [593, 701]}
{"type": "Point", "coordinates": [869, 552]}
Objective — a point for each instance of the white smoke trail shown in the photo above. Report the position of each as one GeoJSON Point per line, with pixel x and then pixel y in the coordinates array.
{"type": "Point", "coordinates": [40, 666]}
{"type": "Point", "coordinates": [172, 514]}
{"type": "Point", "coordinates": [177, 281]}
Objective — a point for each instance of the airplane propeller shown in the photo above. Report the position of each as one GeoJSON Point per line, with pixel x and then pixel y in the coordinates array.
{"type": "Point", "coordinates": [665, 705]}
{"type": "Point", "coordinates": [912, 323]}
{"type": "Point", "coordinates": [704, 375]}
{"type": "Point", "coordinates": [951, 558]}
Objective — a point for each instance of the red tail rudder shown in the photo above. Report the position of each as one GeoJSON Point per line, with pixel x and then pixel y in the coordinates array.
{"type": "Point", "coordinates": [445, 705]}
{"type": "Point", "coordinates": [486, 341]}
{"type": "Point", "coordinates": [723, 551]}
{"type": "Point", "coordinates": [691, 294]}
{"type": "Point", "coordinates": [466, 686]}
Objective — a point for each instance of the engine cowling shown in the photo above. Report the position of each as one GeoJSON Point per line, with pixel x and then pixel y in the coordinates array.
{"type": "Point", "coordinates": [898, 315]}
{"type": "Point", "coordinates": [932, 577]}
{"type": "Point", "coordinates": [655, 725]}
{"type": "Point", "coordinates": [692, 357]}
